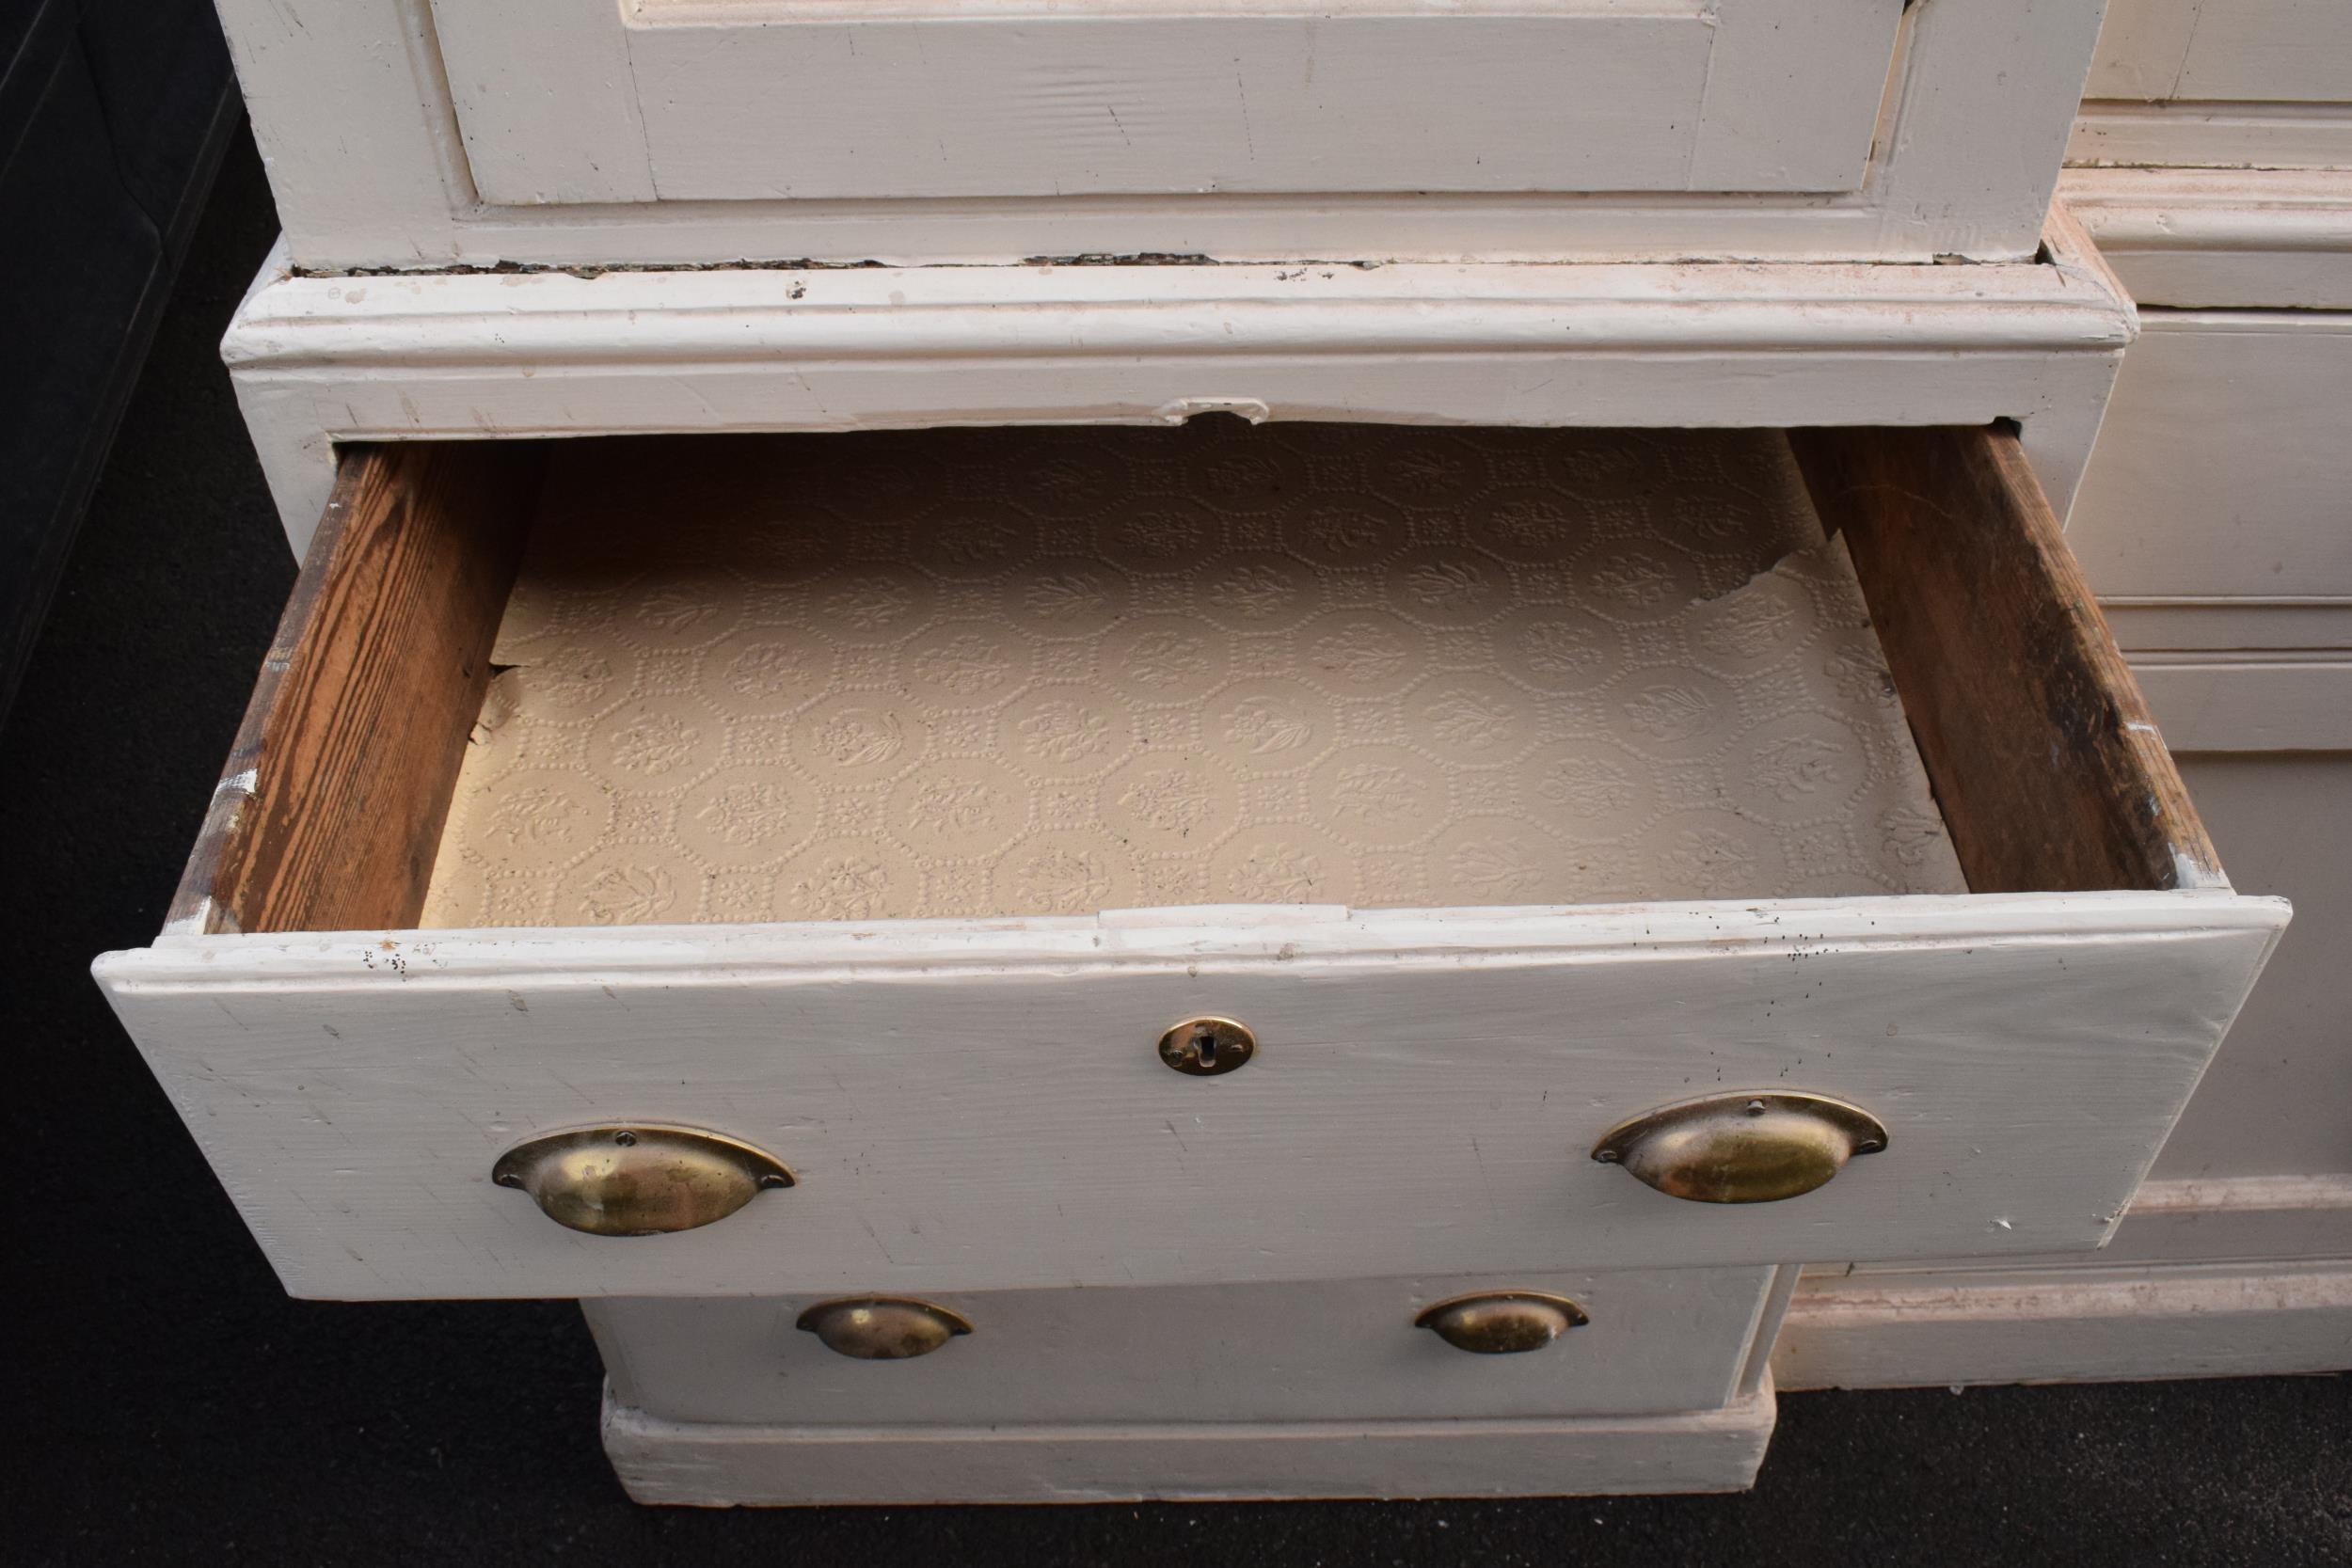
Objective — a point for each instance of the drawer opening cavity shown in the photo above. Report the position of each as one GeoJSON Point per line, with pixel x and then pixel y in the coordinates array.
{"type": "Point", "coordinates": [974, 673]}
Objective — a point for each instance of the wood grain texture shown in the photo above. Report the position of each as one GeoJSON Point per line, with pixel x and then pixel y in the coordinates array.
{"type": "Point", "coordinates": [2050, 771]}
{"type": "Point", "coordinates": [682, 1461]}
{"type": "Point", "coordinates": [1659, 1341]}
{"type": "Point", "coordinates": [329, 811]}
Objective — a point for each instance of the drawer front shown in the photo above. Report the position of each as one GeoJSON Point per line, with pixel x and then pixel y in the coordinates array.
{"type": "Point", "coordinates": [2221, 471]}
{"type": "Point", "coordinates": [990, 1111]}
{"type": "Point", "coordinates": [985, 1101]}
{"type": "Point", "coordinates": [685, 101]}
{"type": "Point", "coordinates": [1652, 1343]}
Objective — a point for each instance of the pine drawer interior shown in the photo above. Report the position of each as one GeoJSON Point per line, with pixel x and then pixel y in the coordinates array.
{"type": "Point", "coordinates": [1033, 671]}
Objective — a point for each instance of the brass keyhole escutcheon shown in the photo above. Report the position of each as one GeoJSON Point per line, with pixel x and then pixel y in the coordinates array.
{"type": "Point", "coordinates": [1758, 1147]}
{"type": "Point", "coordinates": [1502, 1323]}
{"type": "Point", "coordinates": [1205, 1047]}
{"type": "Point", "coordinates": [882, 1328]}
{"type": "Point", "coordinates": [639, 1180]}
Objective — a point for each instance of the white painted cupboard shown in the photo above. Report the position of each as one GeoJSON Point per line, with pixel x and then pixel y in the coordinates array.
{"type": "Point", "coordinates": [1543, 764]}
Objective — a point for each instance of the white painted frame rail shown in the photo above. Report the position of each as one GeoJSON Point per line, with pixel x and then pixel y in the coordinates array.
{"type": "Point", "coordinates": [458, 357]}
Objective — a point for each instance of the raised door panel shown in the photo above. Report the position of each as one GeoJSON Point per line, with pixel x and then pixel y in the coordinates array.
{"type": "Point", "coordinates": [768, 100]}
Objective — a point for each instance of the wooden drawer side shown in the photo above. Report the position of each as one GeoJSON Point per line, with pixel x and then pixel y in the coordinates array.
{"type": "Point", "coordinates": [330, 808]}
{"type": "Point", "coordinates": [2050, 773]}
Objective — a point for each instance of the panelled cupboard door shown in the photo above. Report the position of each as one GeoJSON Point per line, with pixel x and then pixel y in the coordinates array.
{"type": "Point", "coordinates": [2225, 51]}
{"type": "Point", "coordinates": [419, 134]}
{"type": "Point", "coordinates": [590, 101]}
{"type": "Point", "coordinates": [2220, 83]}
{"type": "Point", "coordinates": [432, 1064]}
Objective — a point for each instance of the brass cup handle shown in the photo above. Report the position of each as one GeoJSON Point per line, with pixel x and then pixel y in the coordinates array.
{"type": "Point", "coordinates": [882, 1328]}
{"type": "Point", "coordinates": [640, 1180]}
{"type": "Point", "coordinates": [1502, 1323]}
{"type": "Point", "coordinates": [1742, 1148]}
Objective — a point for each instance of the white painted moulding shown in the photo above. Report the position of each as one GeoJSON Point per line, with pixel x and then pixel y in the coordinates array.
{"type": "Point", "coordinates": [469, 355]}
{"type": "Point", "coordinates": [2222, 238]}
{"type": "Point", "coordinates": [714, 1465]}
{"type": "Point", "coordinates": [2219, 135]}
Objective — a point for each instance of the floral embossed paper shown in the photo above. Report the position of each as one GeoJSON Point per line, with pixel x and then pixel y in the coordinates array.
{"type": "Point", "coordinates": [1024, 671]}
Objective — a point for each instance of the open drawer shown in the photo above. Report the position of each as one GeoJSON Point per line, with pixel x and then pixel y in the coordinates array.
{"type": "Point", "coordinates": [830, 843]}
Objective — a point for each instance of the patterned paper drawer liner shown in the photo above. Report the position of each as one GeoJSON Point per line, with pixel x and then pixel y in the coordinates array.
{"type": "Point", "coordinates": [1017, 672]}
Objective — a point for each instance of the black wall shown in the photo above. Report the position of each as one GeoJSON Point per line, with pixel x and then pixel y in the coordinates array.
{"type": "Point", "coordinates": [113, 113]}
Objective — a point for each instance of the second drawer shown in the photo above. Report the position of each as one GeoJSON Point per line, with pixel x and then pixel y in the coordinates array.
{"type": "Point", "coordinates": [1652, 1343]}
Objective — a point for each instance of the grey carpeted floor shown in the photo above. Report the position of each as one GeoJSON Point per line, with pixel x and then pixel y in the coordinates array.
{"type": "Point", "coordinates": [170, 1404]}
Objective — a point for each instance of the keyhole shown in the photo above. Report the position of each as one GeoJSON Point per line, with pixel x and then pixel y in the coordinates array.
{"type": "Point", "coordinates": [1206, 1047]}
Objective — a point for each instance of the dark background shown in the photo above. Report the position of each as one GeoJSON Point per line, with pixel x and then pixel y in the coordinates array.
{"type": "Point", "coordinates": [113, 115]}
{"type": "Point", "coordinates": [169, 1403]}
